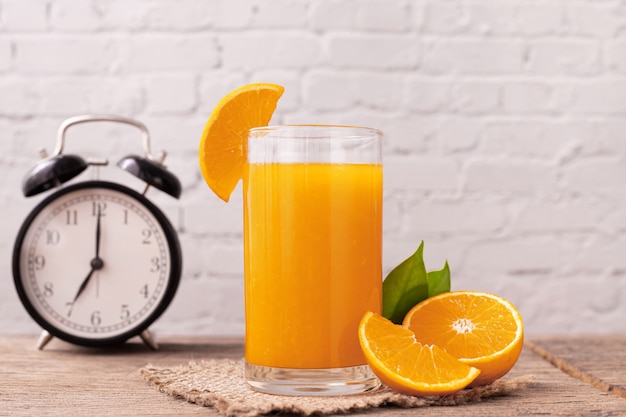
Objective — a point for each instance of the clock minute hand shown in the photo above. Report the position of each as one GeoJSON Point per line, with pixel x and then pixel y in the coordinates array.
{"type": "Point", "coordinates": [96, 263]}
{"type": "Point", "coordinates": [98, 235]}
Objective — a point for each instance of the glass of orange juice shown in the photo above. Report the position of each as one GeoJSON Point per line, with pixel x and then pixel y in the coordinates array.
{"type": "Point", "coordinates": [312, 256]}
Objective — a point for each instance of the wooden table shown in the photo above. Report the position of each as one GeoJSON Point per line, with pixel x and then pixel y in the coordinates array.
{"type": "Point", "coordinates": [574, 376]}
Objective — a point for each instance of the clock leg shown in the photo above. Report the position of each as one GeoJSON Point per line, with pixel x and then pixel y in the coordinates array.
{"type": "Point", "coordinates": [44, 338]}
{"type": "Point", "coordinates": [147, 338]}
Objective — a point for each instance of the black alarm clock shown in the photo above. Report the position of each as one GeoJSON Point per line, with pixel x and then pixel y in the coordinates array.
{"type": "Point", "coordinates": [95, 262]}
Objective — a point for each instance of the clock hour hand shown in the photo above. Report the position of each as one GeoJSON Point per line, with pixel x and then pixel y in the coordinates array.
{"type": "Point", "coordinates": [83, 285]}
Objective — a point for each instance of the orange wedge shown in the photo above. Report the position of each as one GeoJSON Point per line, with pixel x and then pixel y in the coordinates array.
{"type": "Point", "coordinates": [407, 366]}
{"type": "Point", "coordinates": [481, 330]}
{"type": "Point", "coordinates": [223, 144]}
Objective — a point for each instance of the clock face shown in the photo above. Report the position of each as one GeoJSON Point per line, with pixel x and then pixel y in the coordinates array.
{"type": "Point", "coordinates": [96, 263]}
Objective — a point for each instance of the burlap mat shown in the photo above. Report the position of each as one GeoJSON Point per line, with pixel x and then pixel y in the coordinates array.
{"type": "Point", "coordinates": [220, 384]}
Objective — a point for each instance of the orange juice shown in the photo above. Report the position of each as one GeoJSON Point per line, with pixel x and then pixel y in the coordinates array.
{"type": "Point", "coordinates": [312, 259]}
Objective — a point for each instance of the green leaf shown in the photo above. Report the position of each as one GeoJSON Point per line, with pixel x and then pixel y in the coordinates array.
{"type": "Point", "coordinates": [405, 286]}
{"type": "Point", "coordinates": [439, 281]}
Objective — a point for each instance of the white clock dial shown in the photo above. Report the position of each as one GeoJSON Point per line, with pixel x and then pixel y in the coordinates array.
{"type": "Point", "coordinates": [96, 262]}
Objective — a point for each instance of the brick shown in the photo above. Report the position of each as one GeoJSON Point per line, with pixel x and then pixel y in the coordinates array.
{"type": "Point", "coordinates": [161, 52]}
{"type": "Point", "coordinates": [540, 18]}
{"type": "Point", "coordinates": [193, 250]}
{"type": "Point", "coordinates": [174, 15]}
{"type": "Point", "coordinates": [576, 310]}
{"type": "Point", "coordinates": [280, 14]}
{"type": "Point", "coordinates": [115, 15]}
{"type": "Point", "coordinates": [17, 321]}
{"type": "Point", "coordinates": [234, 15]}
{"type": "Point", "coordinates": [331, 90]}
{"type": "Point", "coordinates": [6, 55]}
{"type": "Point", "coordinates": [63, 96]}
{"type": "Point", "coordinates": [334, 14]}
{"type": "Point", "coordinates": [604, 97]}
{"type": "Point", "coordinates": [14, 204]}
{"type": "Point", "coordinates": [521, 256]}
{"type": "Point", "coordinates": [369, 15]}
{"type": "Point", "coordinates": [427, 95]}
{"type": "Point", "coordinates": [177, 134]}
{"type": "Point", "coordinates": [371, 51]}
{"type": "Point", "coordinates": [23, 16]}
{"type": "Point", "coordinates": [392, 215]}
{"type": "Point", "coordinates": [563, 57]}
{"type": "Point", "coordinates": [381, 92]}
{"type": "Point", "coordinates": [172, 93]}
{"type": "Point", "coordinates": [445, 18]}
{"type": "Point", "coordinates": [601, 254]}
{"type": "Point", "coordinates": [19, 97]}
{"type": "Point", "coordinates": [328, 90]}
{"type": "Point", "coordinates": [615, 220]}
{"type": "Point", "coordinates": [208, 215]}
{"type": "Point", "coordinates": [355, 117]}
{"type": "Point", "coordinates": [63, 54]}
{"type": "Point", "coordinates": [225, 260]}
{"type": "Point", "coordinates": [527, 97]}
{"type": "Point", "coordinates": [535, 139]}
{"type": "Point", "coordinates": [475, 97]}
{"type": "Point", "coordinates": [218, 308]}
{"type": "Point", "coordinates": [458, 134]}
{"type": "Point", "coordinates": [6, 138]}
{"type": "Point", "coordinates": [23, 137]}
{"type": "Point", "coordinates": [270, 50]}
{"type": "Point", "coordinates": [470, 57]}
{"type": "Point", "coordinates": [455, 217]}
{"type": "Point", "coordinates": [595, 176]}
{"type": "Point", "coordinates": [616, 51]}
{"type": "Point", "coordinates": [411, 134]}
{"type": "Point", "coordinates": [499, 18]}
{"type": "Point", "coordinates": [610, 136]}
{"type": "Point", "coordinates": [420, 173]}
{"type": "Point", "coordinates": [510, 176]}
{"type": "Point", "coordinates": [74, 15]}
{"type": "Point", "coordinates": [382, 15]}
{"type": "Point", "coordinates": [595, 19]}
{"type": "Point", "coordinates": [558, 217]}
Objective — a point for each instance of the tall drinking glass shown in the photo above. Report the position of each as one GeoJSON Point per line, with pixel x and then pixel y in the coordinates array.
{"type": "Point", "coordinates": [312, 256]}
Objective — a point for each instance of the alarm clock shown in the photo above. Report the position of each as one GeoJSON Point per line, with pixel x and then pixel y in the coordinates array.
{"type": "Point", "coordinates": [95, 262]}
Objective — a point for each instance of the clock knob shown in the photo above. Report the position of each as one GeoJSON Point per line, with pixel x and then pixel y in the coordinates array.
{"type": "Point", "coordinates": [152, 173]}
{"type": "Point", "coordinates": [52, 172]}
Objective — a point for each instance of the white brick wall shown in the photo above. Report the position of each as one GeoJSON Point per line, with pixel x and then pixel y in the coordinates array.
{"type": "Point", "coordinates": [505, 124]}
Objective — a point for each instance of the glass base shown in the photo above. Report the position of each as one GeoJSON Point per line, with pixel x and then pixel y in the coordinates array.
{"type": "Point", "coordinates": [311, 382]}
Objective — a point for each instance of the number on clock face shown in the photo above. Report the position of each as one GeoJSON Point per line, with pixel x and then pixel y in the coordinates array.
{"type": "Point", "coordinates": [58, 256]}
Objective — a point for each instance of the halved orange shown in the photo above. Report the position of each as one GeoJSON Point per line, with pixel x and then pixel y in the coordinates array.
{"type": "Point", "coordinates": [479, 329]}
{"type": "Point", "coordinates": [223, 144]}
{"type": "Point", "coordinates": [408, 366]}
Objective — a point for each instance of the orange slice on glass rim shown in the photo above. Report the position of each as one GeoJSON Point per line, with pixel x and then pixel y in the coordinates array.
{"type": "Point", "coordinates": [223, 144]}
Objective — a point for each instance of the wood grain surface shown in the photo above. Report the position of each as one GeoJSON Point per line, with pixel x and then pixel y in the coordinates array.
{"type": "Point", "coordinates": [65, 380]}
{"type": "Point", "coordinates": [599, 361]}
